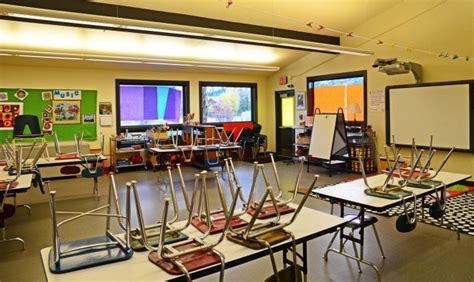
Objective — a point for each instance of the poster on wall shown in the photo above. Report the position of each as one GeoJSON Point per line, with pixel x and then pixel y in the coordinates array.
{"type": "Point", "coordinates": [21, 94]}
{"type": "Point", "coordinates": [300, 98]}
{"type": "Point", "coordinates": [105, 114]}
{"type": "Point", "coordinates": [377, 100]}
{"type": "Point", "coordinates": [66, 112]}
{"type": "Point", "coordinates": [67, 94]}
{"type": "Point", "coordinates": [47, 95]}
{"type": "Point", "coordinates": [3, 96]}
{"type": "Point", "coordinates": [8, 112]}
{"type": "Point", "coordinates": [89, 118]}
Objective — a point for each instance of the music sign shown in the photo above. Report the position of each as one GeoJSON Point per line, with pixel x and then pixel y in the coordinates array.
{"type": "Point", "coordinates": [67, 94]}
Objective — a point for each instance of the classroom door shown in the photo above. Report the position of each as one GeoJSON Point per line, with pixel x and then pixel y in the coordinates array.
{"type": "Point", "coordinates": [285, 120]}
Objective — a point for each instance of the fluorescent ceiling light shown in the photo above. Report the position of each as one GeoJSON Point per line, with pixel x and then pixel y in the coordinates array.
{"type": "Point", "coordinates": [49, 57]}
{"type": "Point", "coordinates": [61, 20]}
{"type": "Point", "coordinates": [242, 39]}
{"type": "Point", "coordinates": [179, 32]}
{"type": "Point", "coordinates": [329, 48]}
{"type": "Point", "coordinates": [278, 41]}
{"type": "Point", "coordinates": [136, 60]}
{"type": "Point", "coordinates": [113, 61]}
{"type": "Point", "coordinates": [168, 64]}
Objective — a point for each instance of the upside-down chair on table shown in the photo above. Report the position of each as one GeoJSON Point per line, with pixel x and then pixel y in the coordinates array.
{"type": "Point", "coordinates": [192, 254]}
{"type": "Point", "coordinates": [89, 252]}
{"type": "Point", "coordinates": [266, 234]}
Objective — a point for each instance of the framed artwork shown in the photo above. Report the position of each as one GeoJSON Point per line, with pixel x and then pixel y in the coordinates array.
{"type": "Point", "coordinates": [21, 94]}
{"type": "Point", "coordinates": [89, 118]}
{"type": "Point", "coordinates": [3, 96]}
{"type": "Point", "coordinates": [300, 99]}
{"type": "Point", "coordinates": [66, 112]}
{"type": "Point", "coordinates": [8, 112]}
{"type": "Point", "coordinates": [47, 95]}
{"type": "Point", "coordinates": [105, 108]}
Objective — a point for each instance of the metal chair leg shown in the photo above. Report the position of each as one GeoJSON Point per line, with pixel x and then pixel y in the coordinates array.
{"type": "Point", "coordinates": [3, 239]}
{"type": "Point", "coordinates": [356, 253]}
{"type": "Point", "coordinates": [21, 206]}
{"type": "Point", "coordinates": [96, 189]}
{"type": "Point", "coordinates": [325, 256]}
{"type": "Point", "coordinates": [378, 241]}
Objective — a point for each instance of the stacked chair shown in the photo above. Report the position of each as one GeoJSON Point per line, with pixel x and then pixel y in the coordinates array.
{"type": "Point", "coordinates": [191, 254]}
{"type": "Point", "coordinates": [89, 252]}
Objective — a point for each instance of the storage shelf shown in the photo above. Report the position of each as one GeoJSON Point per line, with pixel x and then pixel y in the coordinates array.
{"type": "Point", "coordinates": [124, 147]}
{"type": "Point", "coordinates": [124, 151]}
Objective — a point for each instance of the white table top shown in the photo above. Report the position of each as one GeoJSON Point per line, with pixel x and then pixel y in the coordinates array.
{"type": "Point", "coordinates": [309, 224]}
{"type": "Point", "coordinates": [353, 191]}
{"type": "Point", "coordinates": [52, 161]}
{"type": "Point", "coordinates": [24, 181]}
{"type": "Point", "coordinates": [194, 148]}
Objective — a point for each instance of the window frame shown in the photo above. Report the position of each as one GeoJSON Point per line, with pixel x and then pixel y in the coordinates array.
{"type": "Point", "coordinates": [253, 98]}
{"type": "Point", "coordinates": [309, 84]}
{"type": "Point", "coordinates": [142, 128]}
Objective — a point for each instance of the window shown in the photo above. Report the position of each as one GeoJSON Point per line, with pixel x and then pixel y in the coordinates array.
{"type": "Point", "coordinates": [346, 90]}
{"type": "Point", "coordinates": [228, 102]}
{"type": "Point", "coordinates": [144, 103]}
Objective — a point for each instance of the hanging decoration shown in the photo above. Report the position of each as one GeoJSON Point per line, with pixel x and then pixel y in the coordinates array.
{"type": "Point", "coordinates": [378, 41]}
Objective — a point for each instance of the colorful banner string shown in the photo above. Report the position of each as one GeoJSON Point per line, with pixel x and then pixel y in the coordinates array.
{"type": "Point", "coordinates": [319, 27]}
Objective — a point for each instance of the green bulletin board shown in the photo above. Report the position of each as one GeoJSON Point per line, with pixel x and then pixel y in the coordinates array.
{"type": "Point", "coordinates": [34, 104]}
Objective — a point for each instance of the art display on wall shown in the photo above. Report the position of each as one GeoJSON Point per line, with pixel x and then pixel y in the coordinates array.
{"type": "Point", "coordinates": [8, 112]}
{"type": "Point", "coordinates": [66, 112]}
{"type": "Point", "coordinates": [3, 96]}
{"type": "Point", "coordinates": [21, 94]}
{"type": "Point", "coordinates": [47, 95]}
{"type": "Point", "coordinates": [88, 118]}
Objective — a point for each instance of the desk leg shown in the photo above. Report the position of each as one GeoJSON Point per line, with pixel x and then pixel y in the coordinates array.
{"type": "Point", "coordinates": [303, 257]}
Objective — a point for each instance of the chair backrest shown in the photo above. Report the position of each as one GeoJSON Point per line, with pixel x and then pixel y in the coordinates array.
{"type": "Point", "coordinates": [22, 121]}
{"type": "Point", "coordinates": [256, 129]}
{"type": "Point", "coordinates": [246, 134]}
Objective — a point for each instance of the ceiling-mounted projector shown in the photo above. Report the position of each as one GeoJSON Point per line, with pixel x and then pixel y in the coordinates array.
{"type": "Point", "coordinates": [393, 66]}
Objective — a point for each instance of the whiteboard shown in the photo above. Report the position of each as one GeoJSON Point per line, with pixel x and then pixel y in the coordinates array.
{"type": "Point", "coordinates": [421, 111]}
{"type": "Point", "coordinates": [322, 136]}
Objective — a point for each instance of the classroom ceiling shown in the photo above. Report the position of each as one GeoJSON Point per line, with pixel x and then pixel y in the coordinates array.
{"type": "Point", "coordinates": [287, 14]}
{"type": "Point", "coordinates": [37, 41]}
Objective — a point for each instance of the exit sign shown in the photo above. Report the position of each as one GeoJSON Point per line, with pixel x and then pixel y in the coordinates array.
{"type": "Point", "coordinates": [283, 80]}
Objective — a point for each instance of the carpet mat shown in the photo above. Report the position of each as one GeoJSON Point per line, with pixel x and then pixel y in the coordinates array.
{"type": "Point", "coordinates": [459, 213]}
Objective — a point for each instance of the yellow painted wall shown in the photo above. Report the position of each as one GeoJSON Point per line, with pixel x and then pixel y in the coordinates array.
{"type": "Point", "coordinates": [103, 80]}
{"type": "Point", "coordinates": [434, 25]}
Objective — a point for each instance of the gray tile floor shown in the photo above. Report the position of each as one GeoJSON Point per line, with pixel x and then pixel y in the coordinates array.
{"type": "Point", "coordinates": [427, 254]}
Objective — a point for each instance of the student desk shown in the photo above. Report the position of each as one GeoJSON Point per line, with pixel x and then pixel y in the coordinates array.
{"type": "Point", "coordinates": [48, 166]}
{"type": "Point", "coordinates": [200, 151]}
{"type": "Point", "coordinates": [308, 225]}
{"type": "Point", "coordinates": [353, 193]}
{"type": "Point", "coordinates": [24, 182]}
